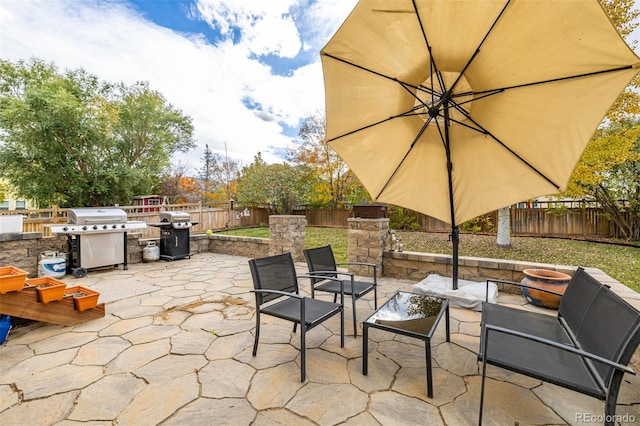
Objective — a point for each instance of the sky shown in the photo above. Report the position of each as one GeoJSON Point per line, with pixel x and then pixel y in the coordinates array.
{"type": "Point", "coordinates": [246, 71]}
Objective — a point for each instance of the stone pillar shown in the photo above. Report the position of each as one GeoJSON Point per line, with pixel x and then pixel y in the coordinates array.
{"type": "Point", "coordinates": [366, 242]}
{"type": "Point", "coordinates": [286, 233]}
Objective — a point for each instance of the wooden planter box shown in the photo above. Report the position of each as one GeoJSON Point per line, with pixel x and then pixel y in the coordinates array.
{"type": "Point", "coordinates": [12, 279]}
{"type": "Point", "coordinates": [48, 289]}
{"type": "Point", "coordinates": [83, 298]}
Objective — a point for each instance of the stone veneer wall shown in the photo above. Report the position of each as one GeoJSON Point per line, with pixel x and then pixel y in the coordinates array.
{"type": "Point", "coordinates": [416, 266]}
{"type": "Point", "coordinates": [23, 250]}
{"type": "Point", "coordinates": [366, 242]}
{"type": "Point", "coordinates": [216, 243]}
{"type": "Point", "coordinates": [287, 235]}
{"type": "Point", "coordinates": [239, 246]}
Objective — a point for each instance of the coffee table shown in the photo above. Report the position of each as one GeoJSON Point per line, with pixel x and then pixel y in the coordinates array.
{"type": "Point", "coordinates": [408, 314]}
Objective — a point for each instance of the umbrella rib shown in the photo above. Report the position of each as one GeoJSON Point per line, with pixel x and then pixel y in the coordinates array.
{"type": "Point", "coordinates": [515, 154]}
{"type": "Point", "coordinates": [344, 61]}
{"type": "Point", "coordinates": [552, 80]}
{"type": "Point", "coordinates": [477, 51]}
{"type": "Point", "coordinates": [424, 127]}
{"type": "Point", "coordinates": [432, 62]}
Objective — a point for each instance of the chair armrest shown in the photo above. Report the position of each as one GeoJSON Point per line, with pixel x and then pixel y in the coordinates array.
{"type": "Point", "coordinates": [577, 351]}
{"type": "Point", "coordinates": [319, 274]}
{"type": "Point", "coordinates": [283, 293]}
{"type": "Point", "coordinates": [322, 277]}
{"type": "Point", "coordinates": [371, 265]}
{"type": "Point", "coordinates": [357, 263]}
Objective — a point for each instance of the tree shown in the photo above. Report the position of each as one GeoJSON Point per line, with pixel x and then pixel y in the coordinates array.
{"type": "Point", "coordinates": [277, 186]}
{"type": "Point", "coordinates": [333, 183]}
{"type": "Point", "coordinates": [71, 140]}
{"type": "Point", "coordinates": [206, 172]}
{"type": "Point", "coordinates": [609, 170]}
{"type": "Point", "coordinates": [219, 175]}
{"type": "Point", "coordinates": [504, 228]}
{"type": "Point", "coordinates": [178, 187]}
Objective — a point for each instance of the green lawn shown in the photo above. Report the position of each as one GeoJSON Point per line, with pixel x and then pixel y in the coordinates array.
{"type": "Point", "coordinates": [620, 262]}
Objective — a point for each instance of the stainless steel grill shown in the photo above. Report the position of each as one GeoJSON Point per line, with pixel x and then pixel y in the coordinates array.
{"type": "Point", "coordinates": [96, 237]}
{"type": "Point", "coordinates": [92, 220]}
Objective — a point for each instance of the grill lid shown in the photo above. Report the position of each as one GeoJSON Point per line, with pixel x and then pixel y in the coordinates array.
{"type": "Point", "coordinates": [86, 216]}
{"type": "Point", "coordinates": [174, 216]}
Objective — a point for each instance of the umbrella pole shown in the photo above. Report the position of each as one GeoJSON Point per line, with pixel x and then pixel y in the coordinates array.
{"type": "Point", "coordinates": [455, 231]}
{"type": "Point", "coordinates": [455, 237]}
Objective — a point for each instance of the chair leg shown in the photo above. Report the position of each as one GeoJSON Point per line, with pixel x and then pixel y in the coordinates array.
{"type": "Point", "coordinates": [255, 342]}
{"type": "Point", "coordinates": [375, 296]}
{"type": "Point", "coordinates": [612, 398]}
{"type": "Point", "coordinates": [342, 327]}
{"type": "Point", "coordinates": [483, 338]}
{"type": "Point", "coordinates": [303, 354]}
{"type": "Point", "coordinates": [355, 323]}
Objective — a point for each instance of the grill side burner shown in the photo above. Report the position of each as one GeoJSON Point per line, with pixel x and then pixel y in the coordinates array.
{"type": "Point", "coordinates": [174, 235]}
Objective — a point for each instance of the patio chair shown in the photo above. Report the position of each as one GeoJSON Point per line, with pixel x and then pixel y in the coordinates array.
{"type": "Point", "coordinates": [586, 348]}
{"type": "Point", "coordinates": [321, 262]}
{"type": "Point", "coordinates": [277, 294]}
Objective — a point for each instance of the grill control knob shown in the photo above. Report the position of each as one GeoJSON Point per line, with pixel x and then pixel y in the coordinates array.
{"type": "Point", "coordinates": [84, 228]}
{"type": "Point", "coordinates": [114, 226]}
{"type": "Point", "coordinates": [95, 226]}
{"type": "Point", "coordinates": [123, 226]}
{"type": "Point", "coordinates": [104, 227]}
{"type": "Point", "coordinates": [65, 229]}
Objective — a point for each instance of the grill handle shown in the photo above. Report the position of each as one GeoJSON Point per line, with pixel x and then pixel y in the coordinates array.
{"type": "Point", "coordinates": [101, 221]}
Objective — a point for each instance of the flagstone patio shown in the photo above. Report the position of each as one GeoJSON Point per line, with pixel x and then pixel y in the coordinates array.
{"type": "Point", "coordinates": [175, 349]}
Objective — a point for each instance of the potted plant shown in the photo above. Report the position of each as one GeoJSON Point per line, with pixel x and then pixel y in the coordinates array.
{"type": "Point", "coordinates": [48, 289]}
{"type": "Point", "coordinates": [83, 298]}
{"type": "Point", "coordinates": [11, 279]}
{"type": "Point", "coordinates": [546, 279]}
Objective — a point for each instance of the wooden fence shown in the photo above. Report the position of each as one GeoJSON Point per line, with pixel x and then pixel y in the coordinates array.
{"type": "Point", "coordinates": [36, 220]}
{"type": "Point", "coordinates": [586, 222]}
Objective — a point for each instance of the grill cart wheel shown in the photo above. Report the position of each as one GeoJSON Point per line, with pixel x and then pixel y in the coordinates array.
{"type": "Point", "coordinates": [80, 272]}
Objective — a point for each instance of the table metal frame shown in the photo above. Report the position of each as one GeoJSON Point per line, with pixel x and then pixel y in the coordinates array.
{"type": "Point", "coordinates": [444, 310]}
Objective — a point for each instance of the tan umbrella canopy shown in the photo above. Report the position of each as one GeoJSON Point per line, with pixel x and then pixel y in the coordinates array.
{"type": "Point", "coordinates": [455, 108]}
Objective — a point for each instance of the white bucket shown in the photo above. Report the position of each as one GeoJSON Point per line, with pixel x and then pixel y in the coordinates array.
{"type": "Point", "coordinates": [52, 264]}
{"type": "Point", "coordinates": [151, 252]}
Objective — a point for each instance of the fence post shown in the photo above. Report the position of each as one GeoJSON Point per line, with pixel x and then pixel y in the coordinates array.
{"type": "Point", "coordinates": [286, 234]}
{"type": "Point", "coordinates": [366, 242]}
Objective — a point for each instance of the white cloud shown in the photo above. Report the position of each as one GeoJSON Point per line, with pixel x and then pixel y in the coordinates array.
{"type": "Point", "coordinates": [209, 83]}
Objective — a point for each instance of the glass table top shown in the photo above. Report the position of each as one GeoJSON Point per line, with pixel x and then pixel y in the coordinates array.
{"type": "Point", "coordinates": [408, 311]}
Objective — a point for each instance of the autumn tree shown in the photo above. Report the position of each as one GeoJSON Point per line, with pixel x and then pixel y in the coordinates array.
{"type": "Point", "coordinates": [70, 139]}
{"type": "Point", "coordinates": [178, 187]}
{"type": "Point", "coordinates": [332, 182]}
{"type": "Point", "coordinates": [609, 171]}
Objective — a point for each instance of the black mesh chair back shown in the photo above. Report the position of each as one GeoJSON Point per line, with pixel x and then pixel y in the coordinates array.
{"type": "Point", "coordinates": [320, 259]}
{"type": "Point", "coordinates": [321, 263]}
{"type": "Point", "coordinates": [277, 294]}
{"type": "Point", "coordinates": [608, 326]}
{"type": "Point", "coordinates": [586, 348]}
{"type": "Point", "coordinates": [274, 273]}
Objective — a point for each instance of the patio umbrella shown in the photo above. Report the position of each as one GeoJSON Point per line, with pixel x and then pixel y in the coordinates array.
{"type": "Point", "coordinates": [455, 108]}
